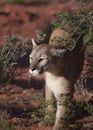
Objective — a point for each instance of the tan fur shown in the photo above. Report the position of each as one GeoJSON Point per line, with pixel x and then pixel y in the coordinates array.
{"type": "Point", "coordinates": [61, 69]}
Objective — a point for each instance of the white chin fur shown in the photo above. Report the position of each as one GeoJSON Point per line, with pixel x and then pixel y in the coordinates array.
{"type": "Point", "coordinates": [34, 72]}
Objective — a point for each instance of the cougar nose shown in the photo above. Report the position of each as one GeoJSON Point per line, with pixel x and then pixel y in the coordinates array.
{"type": "Point", "coordinates": [34, 68]}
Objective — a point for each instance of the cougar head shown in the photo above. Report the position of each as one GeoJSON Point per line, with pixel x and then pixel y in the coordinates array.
{"type": "Point", "coordinates": [42, 58]}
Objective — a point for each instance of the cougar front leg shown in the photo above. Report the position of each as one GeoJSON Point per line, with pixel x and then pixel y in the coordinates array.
{"type": "Point", "coordinates": [50, 106]}
{"type": "Point", "coordinates": [61, 113]}
{"type": "Point", "coordinates": [49, 97]}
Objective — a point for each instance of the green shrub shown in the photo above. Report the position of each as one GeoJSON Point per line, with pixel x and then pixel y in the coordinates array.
{"type": "Point", "coordinates": [76, 110]}
{"type": "Point", "coordinates": [15, 1]}
{"type": "Point", "coordinates": [76, 25]}
{"type": "Point", "coordinates": [13, 49]}
{"type": "Point", "coordinates": [5, 125]}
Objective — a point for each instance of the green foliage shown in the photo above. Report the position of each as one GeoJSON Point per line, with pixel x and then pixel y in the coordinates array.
{"type": "Point", "coordinates": [15, 1]}
{"type": "Point", "coordinates": [89, 108]}
{"type": "Point", "coordinates": [83, 1]}
{"type": "Point", "coordinates": [78, 109]}
{"type": "Point", "coordinates": [76, 26]}
{"type": "Point", "coordinates": [13, 49]}
{"type": "Point", "coordinates": [40, 36]}
{"type": "Point", "coordinates": [42, 114]}
{"type": "Point", "coordinates": [49, 120]}
{"type": "Point", "coordinates": [64, 19]}
{"type": "Point", "coordinates": [4, 120]}
{"type": "Point", "coordinates": [5, 125]}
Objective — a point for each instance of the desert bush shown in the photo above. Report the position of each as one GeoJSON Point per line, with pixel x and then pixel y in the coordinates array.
{"type": "Point", "coordinates": [6, 126]}
{"type": "Point", "coordinates": [3, 120]}
{"type": "Point", "coordinates": [77, 25]}
{"type": "Point", "coordinates": [77, 110]}
{"type": "Point", "coordinates": [12, 51]}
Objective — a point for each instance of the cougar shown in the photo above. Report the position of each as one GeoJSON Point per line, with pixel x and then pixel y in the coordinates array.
{"type": "Point", "coordinates": [61, 68]}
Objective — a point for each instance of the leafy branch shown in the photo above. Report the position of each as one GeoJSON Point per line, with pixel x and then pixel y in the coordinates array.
{"type": "Point", "coordinates": [75, 26]}
{"type": "Point", "coordinates": [12, 51]}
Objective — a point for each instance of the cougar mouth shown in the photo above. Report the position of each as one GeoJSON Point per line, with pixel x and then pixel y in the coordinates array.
{"type": "Point", "coordinates": [38, 71]}
{"type": "Point", "coordinates": [41, 70]}
{"type": "Point", "coordinates": [34, 72]}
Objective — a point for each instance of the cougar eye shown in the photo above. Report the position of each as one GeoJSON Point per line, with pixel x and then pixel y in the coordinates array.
{"type": "Point", "coordinates": [39, 60]}
{"type": "Point", "coordinates": [30, 57]}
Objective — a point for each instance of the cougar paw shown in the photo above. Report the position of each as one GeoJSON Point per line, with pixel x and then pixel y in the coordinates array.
{"type": "Point", "coordinates": [41, 123]}
{"type": "Point", "coordinates": [57, 127]}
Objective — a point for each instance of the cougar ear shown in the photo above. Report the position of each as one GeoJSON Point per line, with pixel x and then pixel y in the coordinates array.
{"type": "Point", "coordinates": [34, 44]}
{"type": "Point", "coordinates": [57, 52]}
